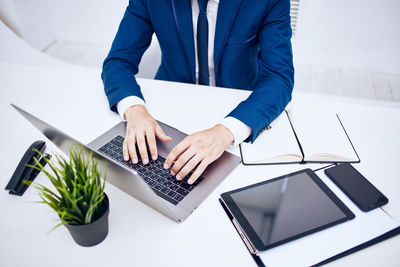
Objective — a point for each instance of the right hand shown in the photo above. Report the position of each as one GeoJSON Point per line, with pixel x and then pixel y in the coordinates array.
{"type": "Point", "coordinates": [141, 127]}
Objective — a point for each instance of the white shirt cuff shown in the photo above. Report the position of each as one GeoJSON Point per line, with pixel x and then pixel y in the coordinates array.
{"type": "Point", "coordinates": [126, 103]}
{"type": "Point", "coordinates": [239, 130]}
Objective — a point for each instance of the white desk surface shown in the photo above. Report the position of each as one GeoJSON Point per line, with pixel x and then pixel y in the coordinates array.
{"type": "Point", "coordinates": [74, 102]}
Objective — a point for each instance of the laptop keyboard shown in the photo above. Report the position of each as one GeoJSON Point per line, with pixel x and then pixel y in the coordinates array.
{"type": "Point", "coordinates": [160, 180]}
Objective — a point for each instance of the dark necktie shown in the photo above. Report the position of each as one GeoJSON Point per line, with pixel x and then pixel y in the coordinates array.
{"type": "Point", "coordinates": [202, 43]}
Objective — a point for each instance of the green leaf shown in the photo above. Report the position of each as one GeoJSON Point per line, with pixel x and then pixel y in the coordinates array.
{"type": "Point", "coordinates": [78, 187]}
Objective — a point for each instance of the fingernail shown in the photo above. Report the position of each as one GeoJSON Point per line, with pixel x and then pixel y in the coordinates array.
{"type": "Point", "coordinates": [154, 157]}
{"type": "Point", "coordinates": [145, 161]}
{"type": "Point", "coordinates": [166, 166]}
{"type": "Point", "coordinates": [178, 177]}
{"type": "Point", "coordinates": [172, 173]}
{"type": "Point", "coordinates": [135, 161]}
{"type": "Point", "coordinates": [190, 181]}
{"type": "Point", "coordinates": [126, 158]}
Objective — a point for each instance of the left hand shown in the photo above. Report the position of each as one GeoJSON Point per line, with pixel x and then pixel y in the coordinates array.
{"type": "Point", "coordinates": [198, 149]}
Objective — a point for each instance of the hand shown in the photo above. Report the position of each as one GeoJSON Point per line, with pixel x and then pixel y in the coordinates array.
{"type": "Point", "coordinates": [141, 127]}
{"type": "Point", "coordinates": [198, 149]}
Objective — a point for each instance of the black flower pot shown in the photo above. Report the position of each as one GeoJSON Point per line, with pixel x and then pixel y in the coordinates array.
{"type": "Point", "coordinates": [94, 233]}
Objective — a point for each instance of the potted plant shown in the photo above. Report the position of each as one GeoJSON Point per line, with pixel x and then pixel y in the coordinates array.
{"type": "Point", "coordinates": [79, 198]}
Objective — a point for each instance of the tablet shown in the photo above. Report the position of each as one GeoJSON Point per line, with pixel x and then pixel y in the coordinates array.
{"type": "Point", "coordinates": [280, 210]}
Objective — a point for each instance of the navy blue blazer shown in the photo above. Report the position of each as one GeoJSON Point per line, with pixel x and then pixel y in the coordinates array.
{"type": "Point", "coordinates": [252, 51]}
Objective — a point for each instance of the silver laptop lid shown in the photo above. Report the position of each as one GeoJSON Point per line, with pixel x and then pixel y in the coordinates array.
{"type": "Point", "coordinates": [123, 179]}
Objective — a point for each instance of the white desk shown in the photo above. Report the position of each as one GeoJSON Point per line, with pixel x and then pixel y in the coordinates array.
{"type": "Point", "coordinates": [74, 102]}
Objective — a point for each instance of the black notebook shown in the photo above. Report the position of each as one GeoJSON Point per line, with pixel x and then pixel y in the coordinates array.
{"type": "Point", "coordinates": [301, 135]}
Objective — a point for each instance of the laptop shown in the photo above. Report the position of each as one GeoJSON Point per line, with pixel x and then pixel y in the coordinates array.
{"type": "Point", "coordinates": [149, 183]}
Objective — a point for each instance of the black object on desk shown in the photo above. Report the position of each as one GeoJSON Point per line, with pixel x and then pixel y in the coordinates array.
{"type": "Point", "coordinates": [260, 263]}
{"type": "Point", "coordinates": [283, 209]}
{"type": "Point", "coordinates": [364, 194]}
{"type": "Point", "coordinates": [16, 186]}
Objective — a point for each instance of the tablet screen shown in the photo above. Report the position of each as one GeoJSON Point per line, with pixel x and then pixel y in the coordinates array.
{"type": "Point", "coordinates": [285, 208]}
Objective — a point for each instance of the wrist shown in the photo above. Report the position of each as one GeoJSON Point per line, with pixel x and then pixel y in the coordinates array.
{"type": "Point", "coordinates": [226, 134]}
{"type": "Point", "coordinates": [127, 102]}
{"type": "Point", "coordinates": [135, 110]}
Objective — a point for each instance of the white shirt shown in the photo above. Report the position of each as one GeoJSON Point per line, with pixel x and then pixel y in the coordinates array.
{"type": "Point", "coordinates": [239, 130]}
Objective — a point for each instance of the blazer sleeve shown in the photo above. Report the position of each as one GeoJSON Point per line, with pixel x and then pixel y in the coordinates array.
{"type": "Point", "coordinates": [274, 84]}
{"type": "Point", "coordinates": [121, 65]}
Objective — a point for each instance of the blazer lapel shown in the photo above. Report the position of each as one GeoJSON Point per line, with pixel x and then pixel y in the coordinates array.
{"type": "Point", "coordinates": [183, 19]}
{"type": "Point", "coordinates": [227, 11]}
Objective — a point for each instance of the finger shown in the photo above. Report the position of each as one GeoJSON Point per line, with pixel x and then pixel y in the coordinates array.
{"type": "Point", "coordinates": [181, 161]}
{"type": "Point", "coordinates": [151, 141]}
{"type": "Point", "coordinates": [141, 143]}
{"type": "Point", "coordinates": [161, 135]}
{"type": "Point", "coordinates": [125, 150]}
{"type": "Point", "coordinates": [192, 163]}
{"type": "Point", "coordinates": [131, 140]}
{"type": "Point", "coordinates": [175, 153]}
{"type": "Point", "coordinates": [199, 170]}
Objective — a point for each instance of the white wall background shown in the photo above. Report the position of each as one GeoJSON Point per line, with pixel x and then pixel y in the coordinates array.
{"type": "Point", "coordinates": [86, 21]}
{"type": "Point", "coordinates": [8, 15]}
{"type": "Point", "coordinates": [30, 20]}
{"type": "Point", "coordinates": [95, 22]}
{"type": "Point", "coordinates": [355, 34]}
